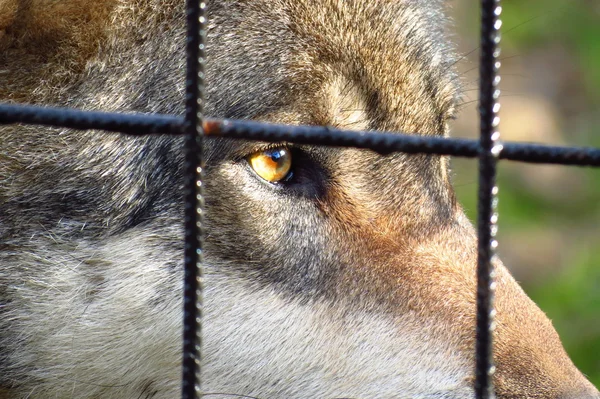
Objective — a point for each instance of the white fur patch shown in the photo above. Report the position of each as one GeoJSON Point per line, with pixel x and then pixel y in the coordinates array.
{"type": "Point", "coordinates": [125, 342]}
{"type": "Point", "coordinates": [274, 348]}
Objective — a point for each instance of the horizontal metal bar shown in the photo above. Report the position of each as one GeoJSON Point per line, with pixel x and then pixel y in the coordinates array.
{"type": "Point", "coordinates": [388, 142]}
{"type": "Point", "coordinates": [381, 142]}
{"type": "Point", "coordinates": [547, 154]}
{"type": "Point", "coordinates": [142, 124]}
{"type": "Point", "coordinates": [133, 124]}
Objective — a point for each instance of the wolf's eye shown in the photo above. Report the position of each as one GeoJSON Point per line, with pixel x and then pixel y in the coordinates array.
{"type": "Point", "coordinates": [273, 165]}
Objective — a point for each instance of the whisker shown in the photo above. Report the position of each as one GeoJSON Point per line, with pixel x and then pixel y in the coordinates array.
{"type": "Point", "coordinates": [235, 395]}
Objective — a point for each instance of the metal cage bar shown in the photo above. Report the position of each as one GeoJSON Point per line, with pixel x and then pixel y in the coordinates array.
{"type": "Point", "coordinates": [381, 142]}
{"type": "Point", "coordinates": [487, 218]}
{"type": "Point", "coordinates": [193, 200]}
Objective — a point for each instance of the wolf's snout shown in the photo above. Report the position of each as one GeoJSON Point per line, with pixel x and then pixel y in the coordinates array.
{"type": "Point", "coordinates": [427, 270]}
{"type": "Point", "coordinates": [529, 356]}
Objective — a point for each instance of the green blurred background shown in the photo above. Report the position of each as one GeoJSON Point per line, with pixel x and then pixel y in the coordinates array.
{"type": "Point", "coordinates": [549, 229]}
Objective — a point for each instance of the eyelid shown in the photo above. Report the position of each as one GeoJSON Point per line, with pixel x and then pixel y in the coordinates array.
{"type": "Point", "coordinates": [245, 151]}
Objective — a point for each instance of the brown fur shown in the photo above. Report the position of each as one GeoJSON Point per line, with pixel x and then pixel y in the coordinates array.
{"type": "Point", "coordinates": [39, 34]}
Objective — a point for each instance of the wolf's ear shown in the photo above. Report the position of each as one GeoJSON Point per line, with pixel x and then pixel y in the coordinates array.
{"type": "Point", "coordinates": [40, 38]}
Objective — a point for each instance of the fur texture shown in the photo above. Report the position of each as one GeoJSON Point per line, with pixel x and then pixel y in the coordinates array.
{"type": "Point", "coordinates": [353, 278]}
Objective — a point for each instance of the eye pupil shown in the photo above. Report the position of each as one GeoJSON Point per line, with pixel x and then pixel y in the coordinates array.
{"type": "Point", "coordinates": [277, 155]}
{"type": "Point", "coordinates": [273, 165]}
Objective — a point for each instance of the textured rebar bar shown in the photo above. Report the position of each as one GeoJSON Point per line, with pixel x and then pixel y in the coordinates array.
{"type": "Point", "coordinates": [382, 142]}
{"type": "Point", "coordinates": [193, 200]}
{"type": "Point", "coordinates": [134, 124]}
{"type": "Point", "coordinates": [537, 153]}
{"type": "Point", "coordinates": [388, 142]}
{"type": "Point", "coordinates": [486, 229]}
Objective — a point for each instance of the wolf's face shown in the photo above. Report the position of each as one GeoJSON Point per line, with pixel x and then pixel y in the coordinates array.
{"type": "Point", "coordinates": [330, 272]}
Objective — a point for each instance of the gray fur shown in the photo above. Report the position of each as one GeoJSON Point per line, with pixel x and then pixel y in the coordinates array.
{"type": "Point", "coordinates": [356, 279]}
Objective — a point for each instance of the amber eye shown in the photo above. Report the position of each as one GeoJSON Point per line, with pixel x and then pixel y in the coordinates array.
{"type": "Point", "coordinates": [273, 165]}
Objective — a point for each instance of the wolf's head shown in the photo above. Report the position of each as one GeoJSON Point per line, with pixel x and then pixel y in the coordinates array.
{"type": "Point", "coordinates": [330, 272]}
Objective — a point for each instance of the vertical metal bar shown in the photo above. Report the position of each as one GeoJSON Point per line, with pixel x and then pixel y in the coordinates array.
{"type": "Point", "coordinates": [193, 199]}
{"type": "Point", "coordinates": [487, 216]}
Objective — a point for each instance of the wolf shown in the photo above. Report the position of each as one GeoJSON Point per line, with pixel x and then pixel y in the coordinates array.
{"type": "Point", "coordinates": [330, 272]}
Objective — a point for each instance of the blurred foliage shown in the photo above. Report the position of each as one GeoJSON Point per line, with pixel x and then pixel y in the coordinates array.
{"type": "Point", "coordinates": [566, 288]}
{"type": "Point", "coordinates": [574, 24]}
{"type": "Point", "coordinates": [534, 23]}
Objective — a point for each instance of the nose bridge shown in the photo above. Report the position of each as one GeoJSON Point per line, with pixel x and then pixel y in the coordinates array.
{"type": "Point", "coordinates": [435, 268]}
{"type": "Point", "coordinates": [528, 351]}
{"type": "Point", "coordinates": [529, 356]}
{"type": "Point", "coordinates": [421, 260]}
